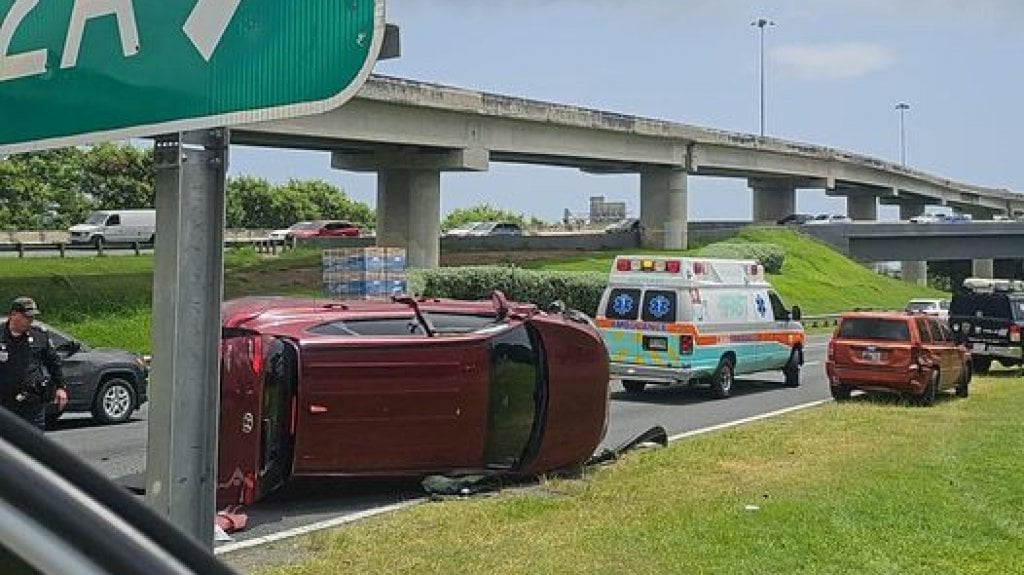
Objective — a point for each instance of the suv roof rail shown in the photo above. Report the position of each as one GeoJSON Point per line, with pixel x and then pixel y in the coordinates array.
{"type": "Point", "coordinates": [986, 285]}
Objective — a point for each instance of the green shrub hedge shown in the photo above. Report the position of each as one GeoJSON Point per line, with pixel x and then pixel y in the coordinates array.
{"type": "Point", "coordinates": [771, 256]}
{"type": "Point", "coordinates": [579, 290]}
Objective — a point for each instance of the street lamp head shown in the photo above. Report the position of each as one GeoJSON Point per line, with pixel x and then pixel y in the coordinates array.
{"type": "Point", "coordinates": [762, 22]}
{"type": "Point", "coordinates": [902, 106]}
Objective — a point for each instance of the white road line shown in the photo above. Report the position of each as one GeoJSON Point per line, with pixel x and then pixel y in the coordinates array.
{"type": "Point", "coordinates": [738, 422]}
{"type": "Point", "coordinates": [319, 526]}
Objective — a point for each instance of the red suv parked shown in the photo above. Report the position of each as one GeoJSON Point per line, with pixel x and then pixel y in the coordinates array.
{"type": "Point", "coordinates": [324, 229]}
{"type": "Point", "coordinates": [910, 354]}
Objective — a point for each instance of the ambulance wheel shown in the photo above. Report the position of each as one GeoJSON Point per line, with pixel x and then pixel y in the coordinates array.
{"type": "Point", "coordinates": [633, 386]}
{"type": "Point", "coordinates": [792, 370]}
{"type": "Point", "coordinates": [721, 381]}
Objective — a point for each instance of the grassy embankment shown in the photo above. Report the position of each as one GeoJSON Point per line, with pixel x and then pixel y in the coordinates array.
{"type": "Point", "coordinates": [866, 487]}
{"type": "Point", "coordinates": [106, 301]}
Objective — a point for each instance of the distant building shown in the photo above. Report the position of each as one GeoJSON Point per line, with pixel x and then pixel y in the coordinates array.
{"type": "Point", "coordinates": [606, 212]}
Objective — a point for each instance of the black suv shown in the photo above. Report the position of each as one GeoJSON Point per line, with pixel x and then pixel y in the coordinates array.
{"type": "Point", "coordinates": [109, 383]}
{"type": "Point", "coordinates": [990, 324]}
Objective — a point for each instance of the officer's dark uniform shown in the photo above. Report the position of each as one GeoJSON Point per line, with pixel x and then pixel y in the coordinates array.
{"type": "Point", "coordinates": [25, 388]}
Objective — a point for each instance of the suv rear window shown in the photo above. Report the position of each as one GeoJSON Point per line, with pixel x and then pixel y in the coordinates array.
{"type": "Point", "coordinates": [874, 329]}
{"type": "Point", "coordinates": [983, 304]}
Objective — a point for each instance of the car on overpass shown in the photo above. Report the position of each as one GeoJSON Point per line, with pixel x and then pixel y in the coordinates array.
{"type": "Point", "coordinates": [407, 387]}
{"type": "Point", "coordinates": [828, 219]}
{"type": "Point", "coordinates": [795, 219]}
{"type": "Point", "coordinates": [462, 230]}
{"type": "Point", "coordinates": [495, 229]}
{"type": "Point", "coordinates": [317, 229]}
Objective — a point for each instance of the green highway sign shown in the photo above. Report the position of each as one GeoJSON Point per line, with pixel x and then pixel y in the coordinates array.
{"type": "Point", "coordinates": [81, 71]}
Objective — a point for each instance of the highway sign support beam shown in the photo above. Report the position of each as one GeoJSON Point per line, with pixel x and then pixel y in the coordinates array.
{"type": "Point", "coordinates": [188, 281]}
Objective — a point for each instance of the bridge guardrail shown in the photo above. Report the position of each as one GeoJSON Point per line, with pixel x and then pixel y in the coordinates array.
{"type": "Point", "coordinates": [262, 245]}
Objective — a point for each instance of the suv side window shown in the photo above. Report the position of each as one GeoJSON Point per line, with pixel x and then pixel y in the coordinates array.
{"type": "Point", "coordinates": [933, 325]}
{"type": "Point", "coordinates": [947, 334]}
{"type": "Point", "coordinates": [922, 330]}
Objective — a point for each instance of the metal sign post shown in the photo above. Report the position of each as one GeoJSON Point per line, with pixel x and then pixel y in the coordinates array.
{"type": "Point", "coordinates": [188, 284]}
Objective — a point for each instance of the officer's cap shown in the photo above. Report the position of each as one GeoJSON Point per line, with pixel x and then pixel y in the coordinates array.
{"type": "Point", "coordinates": [25, 305]}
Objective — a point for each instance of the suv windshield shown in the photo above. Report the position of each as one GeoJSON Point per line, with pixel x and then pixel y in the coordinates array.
{"type": "Point", "coordinates": [874, 329]}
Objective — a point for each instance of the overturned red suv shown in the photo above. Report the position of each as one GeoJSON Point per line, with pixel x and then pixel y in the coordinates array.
{"type": "Point", "coordinates": [409, 387]}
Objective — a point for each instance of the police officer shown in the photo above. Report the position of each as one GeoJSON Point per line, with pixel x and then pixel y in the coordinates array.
{"type": "Point", "coordinates": [25, 349]}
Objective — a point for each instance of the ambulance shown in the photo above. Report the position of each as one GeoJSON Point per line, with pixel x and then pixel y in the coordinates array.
{"type": "Point", "coordinates": [696, 321]}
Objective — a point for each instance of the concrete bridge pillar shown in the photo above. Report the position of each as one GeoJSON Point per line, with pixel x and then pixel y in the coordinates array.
{"type": "Point", "coordinates": [914, 272]}
{"type": "Point", "coordinates": [910, 209]}
{"type": "Point", "coordinates": [983, 268]}
{"type": "Point", "coordinates": [409, 214]}
{"type": "Point", "coordinates": [862, 206]}
{"type": "Point", "coordinates": [774, 199]}
{"type": "Point", "coordinates": [663, 207]}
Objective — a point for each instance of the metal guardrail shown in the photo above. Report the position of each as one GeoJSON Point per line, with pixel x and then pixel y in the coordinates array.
{"type": "Point", "coordinates": [824, 320]}
{"type": "Point", "coordinates": [22, 248]}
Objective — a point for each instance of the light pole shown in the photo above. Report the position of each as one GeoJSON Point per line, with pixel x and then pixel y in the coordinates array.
{"type": "Point", "coordinates": [762, 23]}
{"type": "Point", "coordinates": [902, 107]}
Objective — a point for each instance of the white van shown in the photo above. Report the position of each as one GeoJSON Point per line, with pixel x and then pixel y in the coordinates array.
{"type": "Point", "coordinates": [115, 226]}
{"type": "Point", "coordinates": [669, 320]}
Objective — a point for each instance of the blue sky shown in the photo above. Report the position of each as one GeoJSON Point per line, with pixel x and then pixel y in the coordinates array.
{"type": "Point", "coordinates": [835, 69]}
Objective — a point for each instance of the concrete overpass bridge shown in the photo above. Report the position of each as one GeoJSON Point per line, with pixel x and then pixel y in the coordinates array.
{"type": "Point", "coordinates": [408, 132]}
{"type": "Point", "coordinates": [915, 244]}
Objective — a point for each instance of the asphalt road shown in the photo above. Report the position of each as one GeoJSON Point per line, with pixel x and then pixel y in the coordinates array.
{"type": "Point", "coordinates": [119, 451]}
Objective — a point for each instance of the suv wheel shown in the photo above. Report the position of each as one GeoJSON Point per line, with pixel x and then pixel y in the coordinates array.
{"type": "Point", "coordinates": [721, 381]}
{"type": "Point", "coordinates": [633, 386]}
{"type": "Point", "coordinates": [115, 401]}
{"type": "Point", "coordinates": [981, 364]}
{"type": "Point", "coordinates": [964, 382]}
{"type": "Point", "coordinates": [840, 392]}
{"type": "Point", "coordinates": [792, 369]}
{"type": "Point", "coordinates": [931, 391]}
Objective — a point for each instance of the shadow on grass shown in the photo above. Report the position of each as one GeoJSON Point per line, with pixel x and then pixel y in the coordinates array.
{"type": "Point", "coordinates": [895, 399]}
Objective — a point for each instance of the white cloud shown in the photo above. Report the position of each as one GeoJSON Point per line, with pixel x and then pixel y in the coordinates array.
{"type": "Point", "coordinates": [831, 61]}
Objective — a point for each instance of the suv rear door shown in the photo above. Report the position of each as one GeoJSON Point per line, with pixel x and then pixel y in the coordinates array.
{"type": "Point", "coordinates": [986, 318]}
{"type": "Point", "coordinates": [873, 343]}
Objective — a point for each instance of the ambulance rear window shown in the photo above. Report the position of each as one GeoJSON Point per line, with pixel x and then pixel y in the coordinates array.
{"type": "Point", "coordinates": [623, 304]}
{"type": "Point", "coordinates": [660, 306]}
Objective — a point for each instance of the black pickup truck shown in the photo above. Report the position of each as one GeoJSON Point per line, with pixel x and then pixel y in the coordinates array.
{"type": "Point", "coordinates": [990, 325]}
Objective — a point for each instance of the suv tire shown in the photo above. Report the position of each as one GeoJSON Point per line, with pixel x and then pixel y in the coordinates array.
{"type": "Point", "coordinates": [633, 386]}
{"type": "Point", "coordinates": [115, 401]}
{"type": "Point", "coordinates": [981, 364]}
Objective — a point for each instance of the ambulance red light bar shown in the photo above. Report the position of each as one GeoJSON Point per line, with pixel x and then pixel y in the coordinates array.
{"type": "Point", "coordinates": [699, 268]}
{"type": "Point", "coordinates": [672, 266]}
{"type": "Point", "coordinates": [622, 265]}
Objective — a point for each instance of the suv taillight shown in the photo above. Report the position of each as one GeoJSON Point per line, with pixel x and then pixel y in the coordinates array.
{"type": "Point", "coordinates": [256, 354]}
{"type": "Point", "coordinates": [1015, 333]}
{"type": "Point", "coordinates": [686, 344]}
